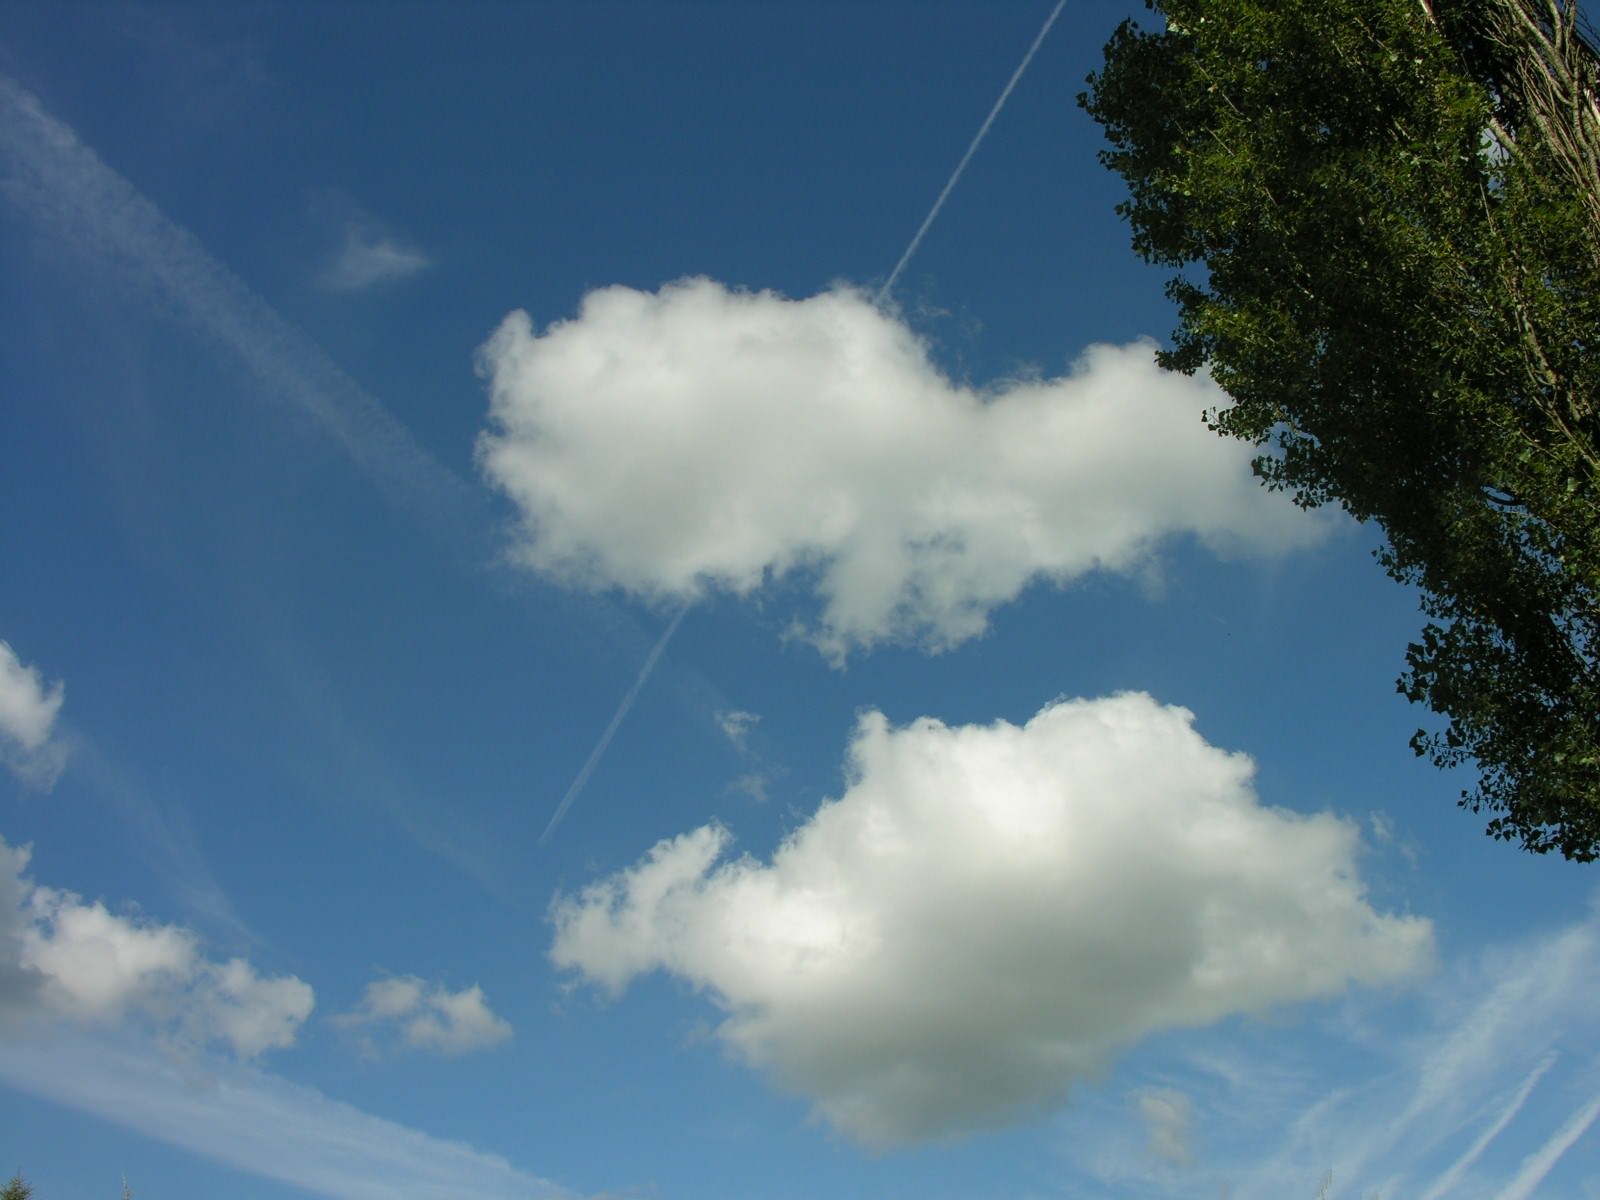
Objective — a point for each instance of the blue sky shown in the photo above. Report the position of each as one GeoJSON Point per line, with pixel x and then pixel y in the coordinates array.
{"type": "Point", "coordinates": [522, 676]}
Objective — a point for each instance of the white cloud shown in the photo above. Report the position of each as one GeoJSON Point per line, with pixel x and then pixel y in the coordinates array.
{"type": "Point", "coordinates": [62, 958]}
{"type": "Point", "coordinates": [1169, 1117]}
{"type": "Point", "coordinates": [698, 438]}
{"type": "Point", "coordinates": [28, 711]}
{"type": "Point", "coordinates": [388, 998]}
{"type": "Point", "coordinates": [238, 1008]}
{"type": "Point", "coordinates": [989, 913]}
{"type": "Point", "coordinates": [752, 784]}
{"type": "Point", "coordinates": [370, 257]}
{"type": "Point", "coordinates": [96, 964]}
{"type": "Point", "coordinates": [428, 1016]}
{"type": "Point", "coordinates": [735, 725]}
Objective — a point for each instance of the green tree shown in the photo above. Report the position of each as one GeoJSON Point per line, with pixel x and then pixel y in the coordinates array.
{"type": "Point", "coordinates": [16, 1189]}
{"type": "Point", "coordinates": [1384, 220]}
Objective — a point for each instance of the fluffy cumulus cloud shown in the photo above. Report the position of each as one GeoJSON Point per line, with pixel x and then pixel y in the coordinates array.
{"type": "Point", "coordinates": [231, 1005]}
{"type": "Point", "coordinates": [424, 1016]}
{"type": "Point", "coordinates": [64, 958]}
{"type": "Point", "coordinates": [700, 438]}
{"type": "Point", "coordinates": [28, 711]}
{"type": "Point", "coordinates": [989, 912]}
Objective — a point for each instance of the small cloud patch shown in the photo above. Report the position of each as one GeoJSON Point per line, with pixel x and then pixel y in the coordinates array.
{"type": "Point", "coordinates": [735, 726]}
{"type": "Point", "coordinates": [408, 1013]}
{"type": "Point", "coordinates": [1169, 1118]}
{"type": "Point", "coordinates": [28, 712]}
{"type": "Point", "coordinates": [368, 253]}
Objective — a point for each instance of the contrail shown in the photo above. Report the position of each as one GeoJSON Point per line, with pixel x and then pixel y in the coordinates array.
{"type": "Point", "coordinates": [1446, 1183]}
{"type": "Point", "coordinates": [649, 663]}
{"type": "Point", "coordinates": [983, 132]}
{"type": "Point", "coordinates": [582, 778]}
{"type": "Point", "coordinates": [1539, 1164]}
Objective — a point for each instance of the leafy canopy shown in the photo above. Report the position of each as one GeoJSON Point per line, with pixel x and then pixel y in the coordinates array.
{"type": "Point", "coordinates": [1381, 215]}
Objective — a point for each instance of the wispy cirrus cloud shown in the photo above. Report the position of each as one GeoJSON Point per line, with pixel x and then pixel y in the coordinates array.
{"type": "Point", "coordinates": [69, 192]}
{"type": "Point", "coordinates": [1480, 1083]}
{"type": "Point", "coordinates": [369, 254]}
{"type": "Point", "coordinates": [32, 746]}
{"type": "Point", "coordinates": [257, 1122]}
{"type": "Point", "coordinates": [1169, 1118]}
{"type": "Point", "coordinates": [700, 439]}
{"type": "Point", "coordinates": [990, 914]}
{"type": "Point", "coordinates": [370, 259]}
{"type": "Point", "coordinates": [1450, 1179]}
{"type": "Point", "coordinates": [1537, 1166]}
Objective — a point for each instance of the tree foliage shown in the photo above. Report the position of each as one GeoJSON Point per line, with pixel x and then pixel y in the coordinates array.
{"type": "Point", "coordinates": [16, 1189]}
{"type": "Point", "coordinates": [1384, 217]}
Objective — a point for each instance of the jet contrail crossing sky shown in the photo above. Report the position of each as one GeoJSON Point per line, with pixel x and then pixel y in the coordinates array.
{"type": "Point", "coordinates": [955, 177]}
{"type": "Point", "coordinates": [581, 780]}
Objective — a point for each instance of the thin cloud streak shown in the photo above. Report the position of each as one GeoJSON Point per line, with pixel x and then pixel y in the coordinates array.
{"type": "Point", "coordinates": [68, 190]}
{"type": "Point", "coordinates": [1543, 1160]}
{"type": "Point", "coordinates": [1384, 1091]}
{"type": "Point", "coordinates": [255, 1122]}
{"type": "Point", "coordinates": [1445, 1184]}
{"type": "Point", "coordinates": [955, 177]}
{"type": "Point", "coordinates": [1515, 1013]}
{"type": "Point", "coordinates": [161, 834]}
{"type": "Point", "coordinates": [581, 780]}
{"type": "Point", "coordinates": [369, 259]}
{"type": "Point", "coordinates": [1524, 1000]}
